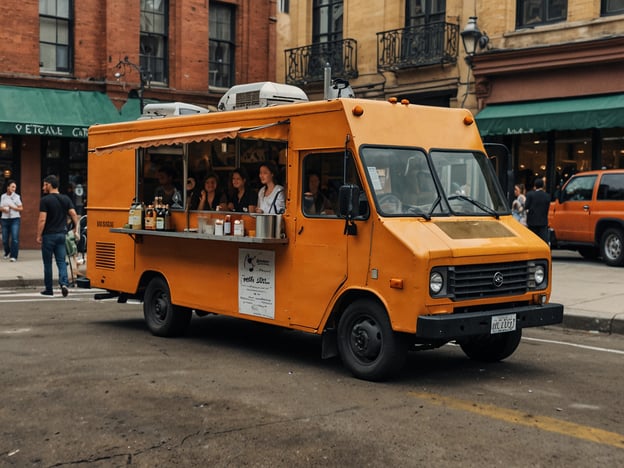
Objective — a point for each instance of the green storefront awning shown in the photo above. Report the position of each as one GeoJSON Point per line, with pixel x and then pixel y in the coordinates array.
{"type": "Point", "coordinates": [53, 112]}
{"type": "Point", "coordinates": [543, 116]}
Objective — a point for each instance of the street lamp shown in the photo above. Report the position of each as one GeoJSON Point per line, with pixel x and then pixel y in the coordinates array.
{"type": "Point", "coordinates": [472, 38]}
{"type": "Point", "coordinates": [143, 76]}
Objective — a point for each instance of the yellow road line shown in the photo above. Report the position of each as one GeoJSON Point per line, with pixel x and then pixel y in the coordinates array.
{"type": "Point", "coordinates": [544, 423]}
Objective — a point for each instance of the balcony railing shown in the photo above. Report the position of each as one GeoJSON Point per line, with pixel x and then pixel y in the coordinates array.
{"type": "Point", "coordinates": [417, 46]}
{"type": "Point", "coordinates": [306, 64]}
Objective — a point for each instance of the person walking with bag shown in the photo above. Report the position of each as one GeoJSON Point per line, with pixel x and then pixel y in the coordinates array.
{"type": "Point", "coordinates": [51, 230]}
{"type": "Point", "coordinates": [11, 207]}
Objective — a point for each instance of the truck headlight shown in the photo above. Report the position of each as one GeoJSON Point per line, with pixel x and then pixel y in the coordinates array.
{"type": "Point", "coordinates": [436, 283]}
{"type": "Point", "coordinates": [540, 275]}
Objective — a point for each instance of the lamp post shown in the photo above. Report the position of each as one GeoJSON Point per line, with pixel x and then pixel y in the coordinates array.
{"type": "Point", "coordinates": [143, 75]}
{"type": "Point", "coordinates": [473, 38]}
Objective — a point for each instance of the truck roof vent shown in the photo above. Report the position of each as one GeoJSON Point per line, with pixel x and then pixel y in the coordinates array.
{"type": "Point", "coordinates": [170, 109]}
{"type": "Point", "coordinates": [262, 94]}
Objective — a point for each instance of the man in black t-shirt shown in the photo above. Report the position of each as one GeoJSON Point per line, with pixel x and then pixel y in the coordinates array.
{"type": "Point", "coordinates": [536, 205]}
{"type": "Point", "coordinates": [51, 230]}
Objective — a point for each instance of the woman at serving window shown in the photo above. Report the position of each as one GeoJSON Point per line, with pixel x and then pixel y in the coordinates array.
{"type": "Point", "coordinates": [242, 198]}
{"type": "Point", "coordinates": [271, 198]}
{"type": "Point", "coordinates": [211, 198]}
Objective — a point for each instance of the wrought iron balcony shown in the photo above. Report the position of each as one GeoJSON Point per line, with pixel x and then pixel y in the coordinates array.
{"type": "Point", "coordinates": [417, 46]}
{"type": "Point", "coordinates": [306, 64]}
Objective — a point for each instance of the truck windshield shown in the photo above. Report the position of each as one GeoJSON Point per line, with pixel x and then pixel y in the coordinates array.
{"type": "Point", "coordinates": [403, 184]}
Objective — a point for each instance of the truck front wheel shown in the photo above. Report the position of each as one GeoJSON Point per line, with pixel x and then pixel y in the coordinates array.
{"type": "Point", "coordinates": [162, 317]}
{"type": "Point", "coordinates": [367, 345]}
{"type": "Point", "coordinates": [612, 247]}
{"type": "Point", "coordinates": [491, 348]}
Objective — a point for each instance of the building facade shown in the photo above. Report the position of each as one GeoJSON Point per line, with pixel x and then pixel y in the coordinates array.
{"type": "Point", "coordinates": [551, 85]}
{"type": "Point", "coordinates": [545, 78]}
{"type": "Point", "coordinates": [69, 64]}
{"type": "Point", "coordinates": [410, 49]}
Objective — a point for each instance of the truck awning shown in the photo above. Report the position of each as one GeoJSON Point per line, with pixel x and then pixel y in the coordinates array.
{"type": "Point", "coordinates": [543, 116]}
{"type": "Point", "coordinates": [169, 139]}
{"type": "Point", "coordinates": [271, 131]}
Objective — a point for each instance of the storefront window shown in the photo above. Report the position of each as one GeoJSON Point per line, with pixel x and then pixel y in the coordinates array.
{"type": "Point", "coordinates": [8, 160]}
{"type": "Point", "coordinates": [67, 159]}
{"type": "Point", "coordinates": [572, 154]}
{"type": "Point", "coordinates": [532, 154]}
{"type": "Point", "coordinates": [612, 155]}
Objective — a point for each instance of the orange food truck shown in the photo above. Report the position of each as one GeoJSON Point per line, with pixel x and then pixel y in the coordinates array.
{"type": "Point", "coordinates": [412, 247]}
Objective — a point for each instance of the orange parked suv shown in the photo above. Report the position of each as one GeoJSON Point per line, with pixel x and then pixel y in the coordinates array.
{"type": "Point", "coordinates": [588, 216]}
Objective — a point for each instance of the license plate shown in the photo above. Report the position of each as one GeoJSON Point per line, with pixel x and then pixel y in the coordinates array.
{"type": "Point", "coordinates": [503, 323]}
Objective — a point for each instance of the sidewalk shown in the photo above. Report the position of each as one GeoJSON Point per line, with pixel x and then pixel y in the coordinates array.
{"type": "Point", "coordinates": [27, 272]}
{"type": "Point", "coordinates": [591, 292]}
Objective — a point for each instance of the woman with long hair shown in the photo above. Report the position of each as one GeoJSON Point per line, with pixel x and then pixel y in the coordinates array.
{"type": "Point", "coordinates": [242, 198]}
{"type": "Point", "coordinates": [271, 197]}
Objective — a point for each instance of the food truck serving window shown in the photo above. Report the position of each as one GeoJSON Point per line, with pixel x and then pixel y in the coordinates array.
{"type": "Point", "coordinates": [177, 172]}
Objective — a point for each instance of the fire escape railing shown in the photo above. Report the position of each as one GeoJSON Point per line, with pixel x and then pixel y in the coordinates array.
{"type": "Point", "coordinates": [417, 46]}
{"type": "Point", "coordinates": [306, 64]}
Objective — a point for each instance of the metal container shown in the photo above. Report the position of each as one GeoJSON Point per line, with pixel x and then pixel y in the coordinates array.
{"type": "Point", "coordinates": [265, 225]}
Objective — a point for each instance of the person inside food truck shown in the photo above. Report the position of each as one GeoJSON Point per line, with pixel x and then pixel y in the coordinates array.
{"type": "Point", "coordinates": [418, 186]}
{"type": "Point", "coordinates": [211, 198]}
{"type": "Point", "coordinates": [314, 201]}
{"type": "Point", "coordinates": [242, 198]}
{"type": "Point", "coordinates": [271, 197]}
{"type": "Point", "coordinates": [166, 188]}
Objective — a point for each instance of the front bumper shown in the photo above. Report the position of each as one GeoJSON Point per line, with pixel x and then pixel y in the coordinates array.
{"type": "Point", "coordinates": [460, 325]}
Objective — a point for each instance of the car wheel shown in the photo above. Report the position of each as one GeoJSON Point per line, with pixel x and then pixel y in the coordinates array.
{"type": "Point", "coordinates": [161, 316]}
{"type": "Point", "coordinates": [491, 348]}
{"type": "Point", "coordinates": [367, 345]}
{"type": "Point", "coordinates": [612, 247]}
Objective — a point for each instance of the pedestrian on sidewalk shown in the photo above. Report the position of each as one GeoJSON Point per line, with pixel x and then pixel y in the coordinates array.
{"type": "Point", "coordinates": [11, 206]}
{"type": "Point", "coordinates": [536, 205]}
{"type": "Point", "coordinates": [51, 230]}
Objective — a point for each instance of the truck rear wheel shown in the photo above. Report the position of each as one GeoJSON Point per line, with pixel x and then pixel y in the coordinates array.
{"type": "Point", "coordinates": [162, 317]}
{"type": "Point", "coordinates": [491, 348]}
{"type": "Point", "coordinates": [612, 247]}
{"type": "Point", "coordinates": [367, 345]}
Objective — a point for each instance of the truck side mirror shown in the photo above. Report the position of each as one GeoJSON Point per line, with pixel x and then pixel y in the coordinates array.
{"type": "Point", "coordinates": [349, 207]}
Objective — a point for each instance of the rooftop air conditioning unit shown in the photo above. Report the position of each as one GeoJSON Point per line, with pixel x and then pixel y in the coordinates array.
{"type": "Point", "coordinates": [169, 109]}
{"type": "Point", "coordinates": [263, 94]}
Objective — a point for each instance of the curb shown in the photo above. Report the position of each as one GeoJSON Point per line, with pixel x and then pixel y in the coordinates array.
{"type": "Point", "coordinates": [613, 325]}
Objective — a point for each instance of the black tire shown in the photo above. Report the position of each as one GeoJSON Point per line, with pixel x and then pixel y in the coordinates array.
{"type": "Point", "coordinates": [589, 253]}
{"type": "Point", "coordinates": [161, 316]}
{"type": "Point", "coordinates": [612, 247]}
{"type": "Point", "coordinates": [367, 345]}
{"type": "Point", "coordinates": [491, 348]}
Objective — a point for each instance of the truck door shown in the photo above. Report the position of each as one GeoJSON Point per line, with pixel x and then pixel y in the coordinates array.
{"type": "Point", "coordinates": [320, 253]}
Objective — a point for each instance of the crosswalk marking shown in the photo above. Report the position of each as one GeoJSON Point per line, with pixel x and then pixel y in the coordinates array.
{"type": "Point", "coordinates": [27, 295]}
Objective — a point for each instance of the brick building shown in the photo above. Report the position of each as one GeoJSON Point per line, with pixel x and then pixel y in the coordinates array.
{"type": "Point", "coordinates": [68, 64]}
{"type": "Point", "coordinates": [557, 63]}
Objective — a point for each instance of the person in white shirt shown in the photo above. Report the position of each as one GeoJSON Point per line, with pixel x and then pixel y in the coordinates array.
{"type": "Point", "coordinates": [271, 197]}
{"type": "Point", "coordinates": [11, 207]}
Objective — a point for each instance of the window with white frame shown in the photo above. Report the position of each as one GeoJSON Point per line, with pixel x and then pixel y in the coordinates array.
{"type": "Point", "coordinates": [55, 35]}
{"type": "Point", "coordinates": [154, 40]}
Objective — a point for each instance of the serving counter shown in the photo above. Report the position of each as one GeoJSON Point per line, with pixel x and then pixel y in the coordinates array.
{"type": "Point", "coordinates": [137, 234]}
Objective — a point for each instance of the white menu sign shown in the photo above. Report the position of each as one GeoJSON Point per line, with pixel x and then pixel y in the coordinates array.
{"type": "Point", "coordinates": [256, 283]}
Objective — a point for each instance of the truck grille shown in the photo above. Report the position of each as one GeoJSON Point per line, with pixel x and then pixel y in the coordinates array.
{"type": "Point", "coordinates": [490, 280]}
